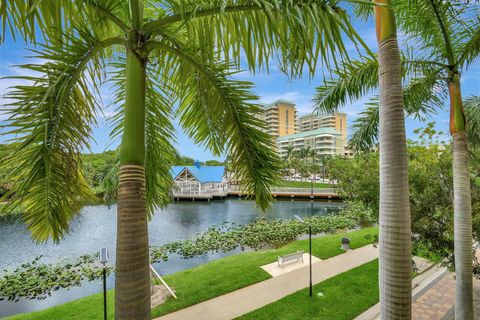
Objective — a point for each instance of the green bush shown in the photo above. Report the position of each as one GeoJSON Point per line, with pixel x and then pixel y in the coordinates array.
{"type": "Point", "coordinates": [359, 212]}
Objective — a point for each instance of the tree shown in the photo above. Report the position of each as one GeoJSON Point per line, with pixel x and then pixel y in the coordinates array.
{"type": "Point", "coordinates": [159, 55]}
{"type": "Point", "coordinates": [446, 37]}
{"type": "Point", "coordinates": [294, 164]}
{"type": "Point", "coordinates": [315, 168]}
{"type": "Point", "coordinates": [304, 170]}
{"type": "Point", "coordinates": [357, 178]}
{"type": "Point", "coordinates": [213, 163]}
{"type": "Point", "coordinates": [430, 189]}
{"type": "Point", "coordinates": [312, 154]}
{"type": "Point", "coordinates": [394, 209]}
{"type": "Point", "coordinates": [289, 153]}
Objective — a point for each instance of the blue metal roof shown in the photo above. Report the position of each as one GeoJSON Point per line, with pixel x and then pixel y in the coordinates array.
{"type": "Point", "coordinates": [203, 173]}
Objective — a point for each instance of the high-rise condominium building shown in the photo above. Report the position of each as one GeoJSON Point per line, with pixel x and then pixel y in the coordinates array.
{"type": "Point", "coordinates": [335, 120]}
{"type": "Point", "coordinates": [280, 118]}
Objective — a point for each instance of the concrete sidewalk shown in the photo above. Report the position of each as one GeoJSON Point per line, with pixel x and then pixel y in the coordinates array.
{"type": "Point", "coordinates": [240, 302]}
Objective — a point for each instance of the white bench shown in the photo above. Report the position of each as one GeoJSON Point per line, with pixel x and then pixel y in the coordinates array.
{"type": "Point", "coordinates": [297, 256]}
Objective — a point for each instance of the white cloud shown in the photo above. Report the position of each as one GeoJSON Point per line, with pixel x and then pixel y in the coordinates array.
{"type": "Point", "coordinates": [304, 103]}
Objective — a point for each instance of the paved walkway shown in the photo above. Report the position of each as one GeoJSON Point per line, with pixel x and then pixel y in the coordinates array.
{"type": "Point", "coordinates": [433, 298]}
{"type": "Point", "coordinates": [237, 303]}
{"type": "Point", "coordinates": [435, 302]}
{"type": "Point", "coordinates": [438, 303]}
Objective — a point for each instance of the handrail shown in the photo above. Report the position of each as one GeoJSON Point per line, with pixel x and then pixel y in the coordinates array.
{"type": "Point", "coordinates": [291, 190]}
{"type": "Point", "coordinates": [155, 273]}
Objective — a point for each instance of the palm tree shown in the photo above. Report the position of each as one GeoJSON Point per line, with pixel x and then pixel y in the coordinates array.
{"type": "Point", "coordinates": [445, 45]}
{"type": "Point", "coordinates": [165, 59]}
{"type": "Point", "coordinates": [312, 153]}
{"type": "Point", "coordinates": [289, 153]}
{"type": "Point", "coordinates": [395, 237]}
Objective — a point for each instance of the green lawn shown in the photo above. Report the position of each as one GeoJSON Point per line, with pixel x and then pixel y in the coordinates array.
{"type": "Point", "coordinates": [345, 296]}
{"type": "Point", "coordinates": [209, 280]}
{"type": "Point", "coordinates": [302, 184]}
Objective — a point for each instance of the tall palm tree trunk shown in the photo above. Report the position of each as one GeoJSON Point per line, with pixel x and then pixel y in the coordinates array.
{"type": "Point", "coordinates": [461, 205]}
{"type": "Point", "coordinates": [132, 281]}
{"type": "Point", "coordinates": [395, 231]}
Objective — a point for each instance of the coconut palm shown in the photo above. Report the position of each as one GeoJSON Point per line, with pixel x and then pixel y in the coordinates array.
{"type": "Point", "coordinates": [446, 43]}
{"type": "Point", "coordinates": [165, 59]}
{"type": "Point", "coordinates": [395, 242]}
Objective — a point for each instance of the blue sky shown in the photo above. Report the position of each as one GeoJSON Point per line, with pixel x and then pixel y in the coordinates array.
{"type": "Point", "coordinates": [269, 87]}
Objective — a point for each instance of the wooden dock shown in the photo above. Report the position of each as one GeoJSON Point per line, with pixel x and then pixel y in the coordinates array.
{"type": "Point", "coordinates": [234, 191]}
{"type": "Point", "coordinates": [299, 193]}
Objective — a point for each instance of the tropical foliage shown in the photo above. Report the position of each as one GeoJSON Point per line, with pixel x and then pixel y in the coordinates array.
{"type": "Point", "coordinates": [431, 191]}
{"type": "Point", "coordinates": [305, 162]}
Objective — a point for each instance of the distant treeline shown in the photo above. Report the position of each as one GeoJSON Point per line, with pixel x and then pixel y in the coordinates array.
{"type": "Point", "coordinates": [95, 166]}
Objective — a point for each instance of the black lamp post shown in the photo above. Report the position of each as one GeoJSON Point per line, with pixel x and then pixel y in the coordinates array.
{"type": "Point", "coordinates": [103, 257]}
{"type": "Point", "coordinates": [309, 249]}
{"type": "Point", "coordinates": [311, 187]}
{"type": "Point", "coordinates": [323, 169]}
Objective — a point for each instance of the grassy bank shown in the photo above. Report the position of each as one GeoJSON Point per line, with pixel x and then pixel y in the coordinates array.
{"type": "Point", "coordinates": [345, 296]}
{"type": "Point", "coordinates": [209, 280]}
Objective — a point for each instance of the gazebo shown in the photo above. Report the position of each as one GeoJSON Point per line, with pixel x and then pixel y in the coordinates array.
{"type": "Point", "coordinates": [204, 181]}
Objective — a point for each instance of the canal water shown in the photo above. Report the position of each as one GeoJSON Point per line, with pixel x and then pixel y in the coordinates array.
{"type": "Point", "coordinates": [95, 227]}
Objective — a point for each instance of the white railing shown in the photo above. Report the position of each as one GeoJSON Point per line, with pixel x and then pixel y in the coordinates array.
{"type": "Point", "coordinates": [236, 188]}
{"type": "Point", "coordinates": [203, 192]}
{"type": "Point", "coordinates": [303, 190]}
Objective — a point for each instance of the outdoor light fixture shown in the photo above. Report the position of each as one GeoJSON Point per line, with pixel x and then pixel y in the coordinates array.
{"type": "Point", "coordinates": [103, 257]}
{"type": "Point", "coordinates": [310, 250]}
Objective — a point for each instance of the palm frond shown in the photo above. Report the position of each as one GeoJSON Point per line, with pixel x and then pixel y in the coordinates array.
{"type": "Point", "coordinates": [470, 50]}
{"type": "Point", "coordinates": [445, 29]}
{"type": "Point", "coordinates": [298, 33]}
{"type": "Point", "coordinates": [419, 21]}
{"type": "Point", "coordinates": [50, 121]}
{"type": "Point", "coordinates": [472, 114]}
{"type": "Point", "coordinates": [363, 9]}
{"type": "Point", "coordinates": [365, 128]}
{"type": "Point", "coordinates": [47, 17]}
{"type": "Point", "coordinates": [422, 98]}
{"type": "Point", "coordinates": [109, 179]}
{"type": "Point", "coordinates": [352, 81]}
{"type": "Point", "coordinates": [219, 113]}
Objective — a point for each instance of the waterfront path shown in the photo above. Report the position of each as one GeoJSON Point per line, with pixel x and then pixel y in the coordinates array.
{"type": "Point", "coordinates": [433, 297]}
{"type": "Point", "coordinates": [240, 302]}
